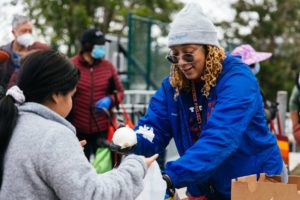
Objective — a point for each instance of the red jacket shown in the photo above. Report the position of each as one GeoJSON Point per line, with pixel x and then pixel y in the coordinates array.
{"type": "Point", "coordinates": [97, 80]}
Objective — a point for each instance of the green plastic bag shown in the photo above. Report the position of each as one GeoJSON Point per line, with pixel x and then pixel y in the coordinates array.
{"type": "Point", "coordinates": [103, 160]}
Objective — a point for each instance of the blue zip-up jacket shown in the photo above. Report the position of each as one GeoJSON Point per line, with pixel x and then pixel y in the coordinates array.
{"type": "Point", "coordinates": [235, 140]}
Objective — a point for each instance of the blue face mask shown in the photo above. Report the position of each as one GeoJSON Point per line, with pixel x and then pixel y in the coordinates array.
{"type": "Point", "coordinates": [98, 51]}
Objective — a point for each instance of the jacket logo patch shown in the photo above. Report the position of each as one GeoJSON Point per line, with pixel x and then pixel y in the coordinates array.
{"type": "Point", "coordinates": [147, 132]}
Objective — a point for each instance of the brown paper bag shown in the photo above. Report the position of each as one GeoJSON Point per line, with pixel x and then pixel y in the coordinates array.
{"type": "Point", "coordinates": [266, 188]}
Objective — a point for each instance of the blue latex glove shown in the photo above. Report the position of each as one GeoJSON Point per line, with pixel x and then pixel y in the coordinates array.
{"type": "Point", "coordinates": [105, 103]}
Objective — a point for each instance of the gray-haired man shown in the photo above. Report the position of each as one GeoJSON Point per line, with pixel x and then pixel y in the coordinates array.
{"type": "Point", "coordinates": [22, 44]}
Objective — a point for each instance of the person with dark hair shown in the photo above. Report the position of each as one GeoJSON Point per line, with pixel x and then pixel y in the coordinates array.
{"type": "Point", "coordinates": [211, 106]}
{"type": "Point", "coordinates": [22, 44]}
{"type": "Point", "coordinates": [40, 155]}
{"type": "Point", "coordinates": [98, 91]}
{"type": "Point", "coordinates": [294, 108]}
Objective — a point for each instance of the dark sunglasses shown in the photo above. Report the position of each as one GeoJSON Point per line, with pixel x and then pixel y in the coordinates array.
{"type": "Point", "coordinates": [188, 57]}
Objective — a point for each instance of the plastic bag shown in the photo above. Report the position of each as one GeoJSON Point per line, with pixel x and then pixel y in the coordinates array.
{"type": "Point", "coordinates": [103, 160]}
{"type": "Point", "coordinates": [154, 186]}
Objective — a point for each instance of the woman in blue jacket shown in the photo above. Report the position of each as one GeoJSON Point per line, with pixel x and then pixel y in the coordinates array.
{"type": "Point", "coordinates": [211, 105]}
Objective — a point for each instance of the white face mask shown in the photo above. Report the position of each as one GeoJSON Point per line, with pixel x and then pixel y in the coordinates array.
{"type": "Point", "coordinates": [256, 68]}
{"type": "Point", "coordinates": [25, 39]}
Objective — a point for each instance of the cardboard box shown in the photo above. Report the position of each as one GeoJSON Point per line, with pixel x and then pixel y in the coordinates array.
{"type": "Point", "coordinates": [265, 188]}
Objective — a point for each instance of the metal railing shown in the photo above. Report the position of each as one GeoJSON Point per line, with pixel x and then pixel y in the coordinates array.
{"type": "Point", "coordinates": [136, 103]}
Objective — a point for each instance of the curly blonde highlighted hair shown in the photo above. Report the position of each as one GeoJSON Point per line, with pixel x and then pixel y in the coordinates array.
{"type": "Point", "coordinates": [213, 67]}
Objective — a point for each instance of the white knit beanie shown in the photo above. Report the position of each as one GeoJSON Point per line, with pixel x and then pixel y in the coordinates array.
{"type": "Point", "coordinates": [191, 26]}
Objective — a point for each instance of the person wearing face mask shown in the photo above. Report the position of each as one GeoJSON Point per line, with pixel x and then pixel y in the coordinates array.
{"type": "Point", "coordinates": [253, 58]}
{"type": "Point", "coordinates": [40, 156]}
{"type": "Point", "coordinates": [211, 106]}
{"type": "Point", "coordinates": [99, 87]}
{"type": "Point", "coordinates": [22, 45]}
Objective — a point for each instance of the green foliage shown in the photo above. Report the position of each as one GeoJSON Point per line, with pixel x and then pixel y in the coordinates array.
{"type": "Point", "coordinates": [276, 30]}
{"type": "Point", "coordinates": [69, 18]}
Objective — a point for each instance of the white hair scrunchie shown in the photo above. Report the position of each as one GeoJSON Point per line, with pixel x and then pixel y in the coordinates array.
{"type": "Point", "coordinates": [16, 93]}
